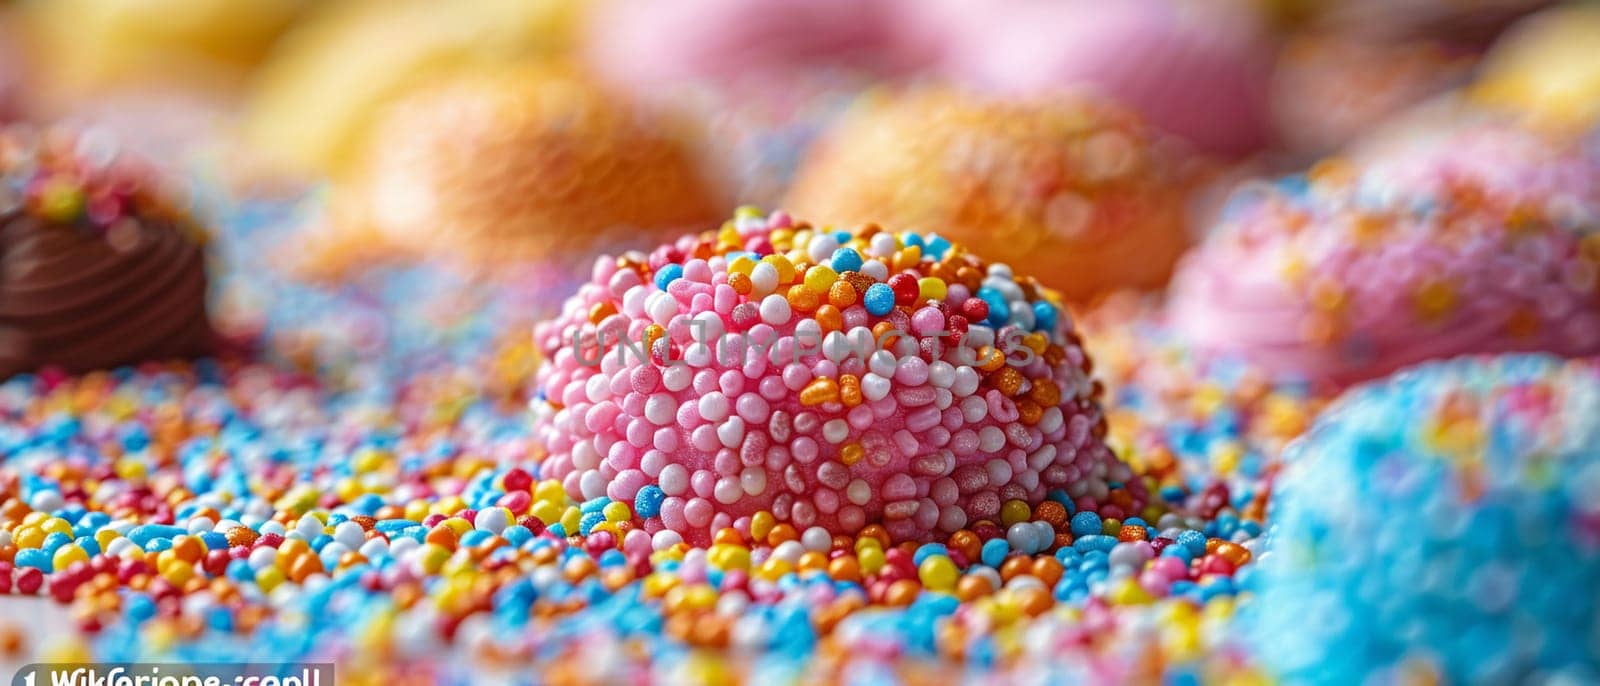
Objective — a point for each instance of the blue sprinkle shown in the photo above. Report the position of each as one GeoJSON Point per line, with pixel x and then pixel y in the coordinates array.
{"type": "Point", "coordinates": [516, 535]}
{"type": "Point", "coordinates": [139, 607]}
{"type": "Point", "coordinates": [994, 552]}
{"type": "Point", "coordinates": [846, 260]}
{"type": "Point", "coordinates": [89, 545]}
{"type": "Point", "coordinates": [1085, 523]}
{"type": "Point", "coordinates": [1099, 542]}
{"type": "Point", "coordinates": [1044, 316]}
{"type": "Point", "coordinates": [36, 558]}
{"type": "Point", "coordinates": [54, 541]}
{"type": "Point", "coordinates": [390, 526]}
{"type": "Point", "coordinates": [668, 274]}
{"type": "Point", "coordinates": [1194, 541]}
{"type": "Point", "coordinates": [999, 309]}
{"type": "Point", "coordinates": [879, 299]}
{"type": "Point", "coordinates": [589, 521]}
{"type": "Point", "coordinates": [647, 503]}
{"type": "Point", "coordinates": [926, 551]}
{"type": "Point", "coordinates": [142, 535]}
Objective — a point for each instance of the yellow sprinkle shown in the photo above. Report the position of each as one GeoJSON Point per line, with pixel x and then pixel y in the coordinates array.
{"type": "Point", "coordinates": [742, 265]}
{"type": "Point", "coordinates": [761, 524]}
{"type": "Point", "coordinates": [785, 268]}
{"type": "Point", "coordinates": [820, 278]}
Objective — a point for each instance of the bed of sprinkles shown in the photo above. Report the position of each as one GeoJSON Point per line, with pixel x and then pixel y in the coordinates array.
{"type": "Point", "coordinates": [791, 375]}
{"type": "Point", "coordinates": [391, 516]}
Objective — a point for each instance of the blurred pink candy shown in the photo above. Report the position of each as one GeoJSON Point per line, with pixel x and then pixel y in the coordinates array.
{"type": "Point", "coordinates": [1198, 72]}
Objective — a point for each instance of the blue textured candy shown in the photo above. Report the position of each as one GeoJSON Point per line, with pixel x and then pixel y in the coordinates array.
{"type": "Point", "coordinates": [1085, 523]}
{"type": "Point", "coordinates": [1441, 517]}
{"type": "Point", "coordinates": [648, 501]}
{"type": "Point", "coordinates": [667, 275]}
{"type": "Point", "coordinates": [927, 550]}
{"type": "Point", "coordinates": [846, 260]}
{"type": "Point", "coordinates": [36, 558]}
{"type": "Point", "coordinates": [1044, 316]}
{"type": "Point", "coordinates": [994, 551]}
{"type": "Point", "coordinates": [999, 309]}
{"type": "Point", "coordinates": [879, 299]}
{"type": "Point", "coordinates": [143, 534]}
{"type": "Point", "coordinates": [1193, 541]}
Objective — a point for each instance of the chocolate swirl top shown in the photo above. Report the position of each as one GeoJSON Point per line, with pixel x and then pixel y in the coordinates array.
{"type": "Point", "coordinates": [96, 269]}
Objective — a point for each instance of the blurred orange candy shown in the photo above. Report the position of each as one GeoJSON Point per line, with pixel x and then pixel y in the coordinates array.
{"type": "Point", "coordinates": [1073, 190]}
{"type": "Point", "coordinates": [510, 165]}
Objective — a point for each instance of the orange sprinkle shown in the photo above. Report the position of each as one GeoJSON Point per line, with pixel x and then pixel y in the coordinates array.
{"type": "Point", "coordinates": [841, 294]}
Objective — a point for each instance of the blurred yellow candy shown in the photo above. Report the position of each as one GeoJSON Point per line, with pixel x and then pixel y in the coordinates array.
{"type": "Point", "coordinates": [317, 95]}
{"type": "Point", "coordinates": [1548, 67]}
{"type": "Point", "coordinates": [68, 554]}
{"type": "Point", "coordinates": [56, 525]}
{"type": "Point", "coordinates": [89, 45]}
{"type": "Point", "coordinates": [504, 166]}
{"type": "Point", "coordinates": [28, 536]}
{"type": "Point", "coordinates": [268, 578]}
{"type": "Point", "coordinates": [546, 512]}
{"type": "Point", "coordinates": [1128, 592]}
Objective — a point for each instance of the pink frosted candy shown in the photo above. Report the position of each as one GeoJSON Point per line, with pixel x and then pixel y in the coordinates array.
{"type": "Point", "coordinates": [1200, 73]}
{"type": "Point", "coordinates": [923, 448]}
{"type": "Point", "coordinates": [1479, 239]}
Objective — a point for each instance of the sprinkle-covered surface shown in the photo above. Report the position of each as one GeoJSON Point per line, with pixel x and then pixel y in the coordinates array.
{"type": "Point", "coordinates": [1478, 238]}
{"type": "Point", "coordinates": [1440, 524]}
{"type": "Point", "coordinates": [362, 496]}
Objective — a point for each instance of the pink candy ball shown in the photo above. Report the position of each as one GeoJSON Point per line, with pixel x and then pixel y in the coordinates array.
{"type": "Point", "coordinates": [1200, 73]}
{"type": "Point", "coordinates": [1477, 238]}
{"type": "Point", "coordinates": [824, 426]}
{"type": "Point", "coordinates": [649, 44]}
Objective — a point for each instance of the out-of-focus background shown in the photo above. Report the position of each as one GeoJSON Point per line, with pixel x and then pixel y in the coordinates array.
{"type": "Point", "coordinates": [492, 131]}
{"type": "Point", "coordinates": [1250, 205]}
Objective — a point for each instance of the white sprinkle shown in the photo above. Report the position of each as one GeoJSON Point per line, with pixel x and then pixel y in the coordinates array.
{"type": "Point", "coordinates": [858, 492]}
{"type": "Point", "coordinates": [817, 539]}
{"type": "Point", "coordinates": [728, 491]}
{"type": "Point", "coordinates": [991, 439]}
{"type": "Point", "coordinates": [882, 363]}
{"type": "Point", "coordinates": [1022, 315]}
{"type": "Point", "coordinates": [661, 409]}
{"type": "Point", "coordinates": [754, 480]}
{"type": "Point", "coordinates": [821, 248]}
{"type": "Point", "coordinates": [493, 520]}
{"type": "Point", "coordinates": [763, 279]}
{"type": "Point", "coordinates": [835, 430]}
{"type": "Point", "coordinates": [662, 307]}
{"type": "Point", "coordinates": [731, 432]}
{"type": "Point", "coordinates": [966, 382]}
{"type": "Point", "coordinates": [875, 269]}
{"type": "Point", "coordinates": [775, 310]}
{"type": "Point", "coordinates": [882, 245]}
{"type": "Point", "coordinates": [676, 378]}
{"type": "Point", "coordinates": [674, 479]}
{"type": "Point", "coordinates": [713, 406]}
{"type": "Point", "coordinates": [874, 387]}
